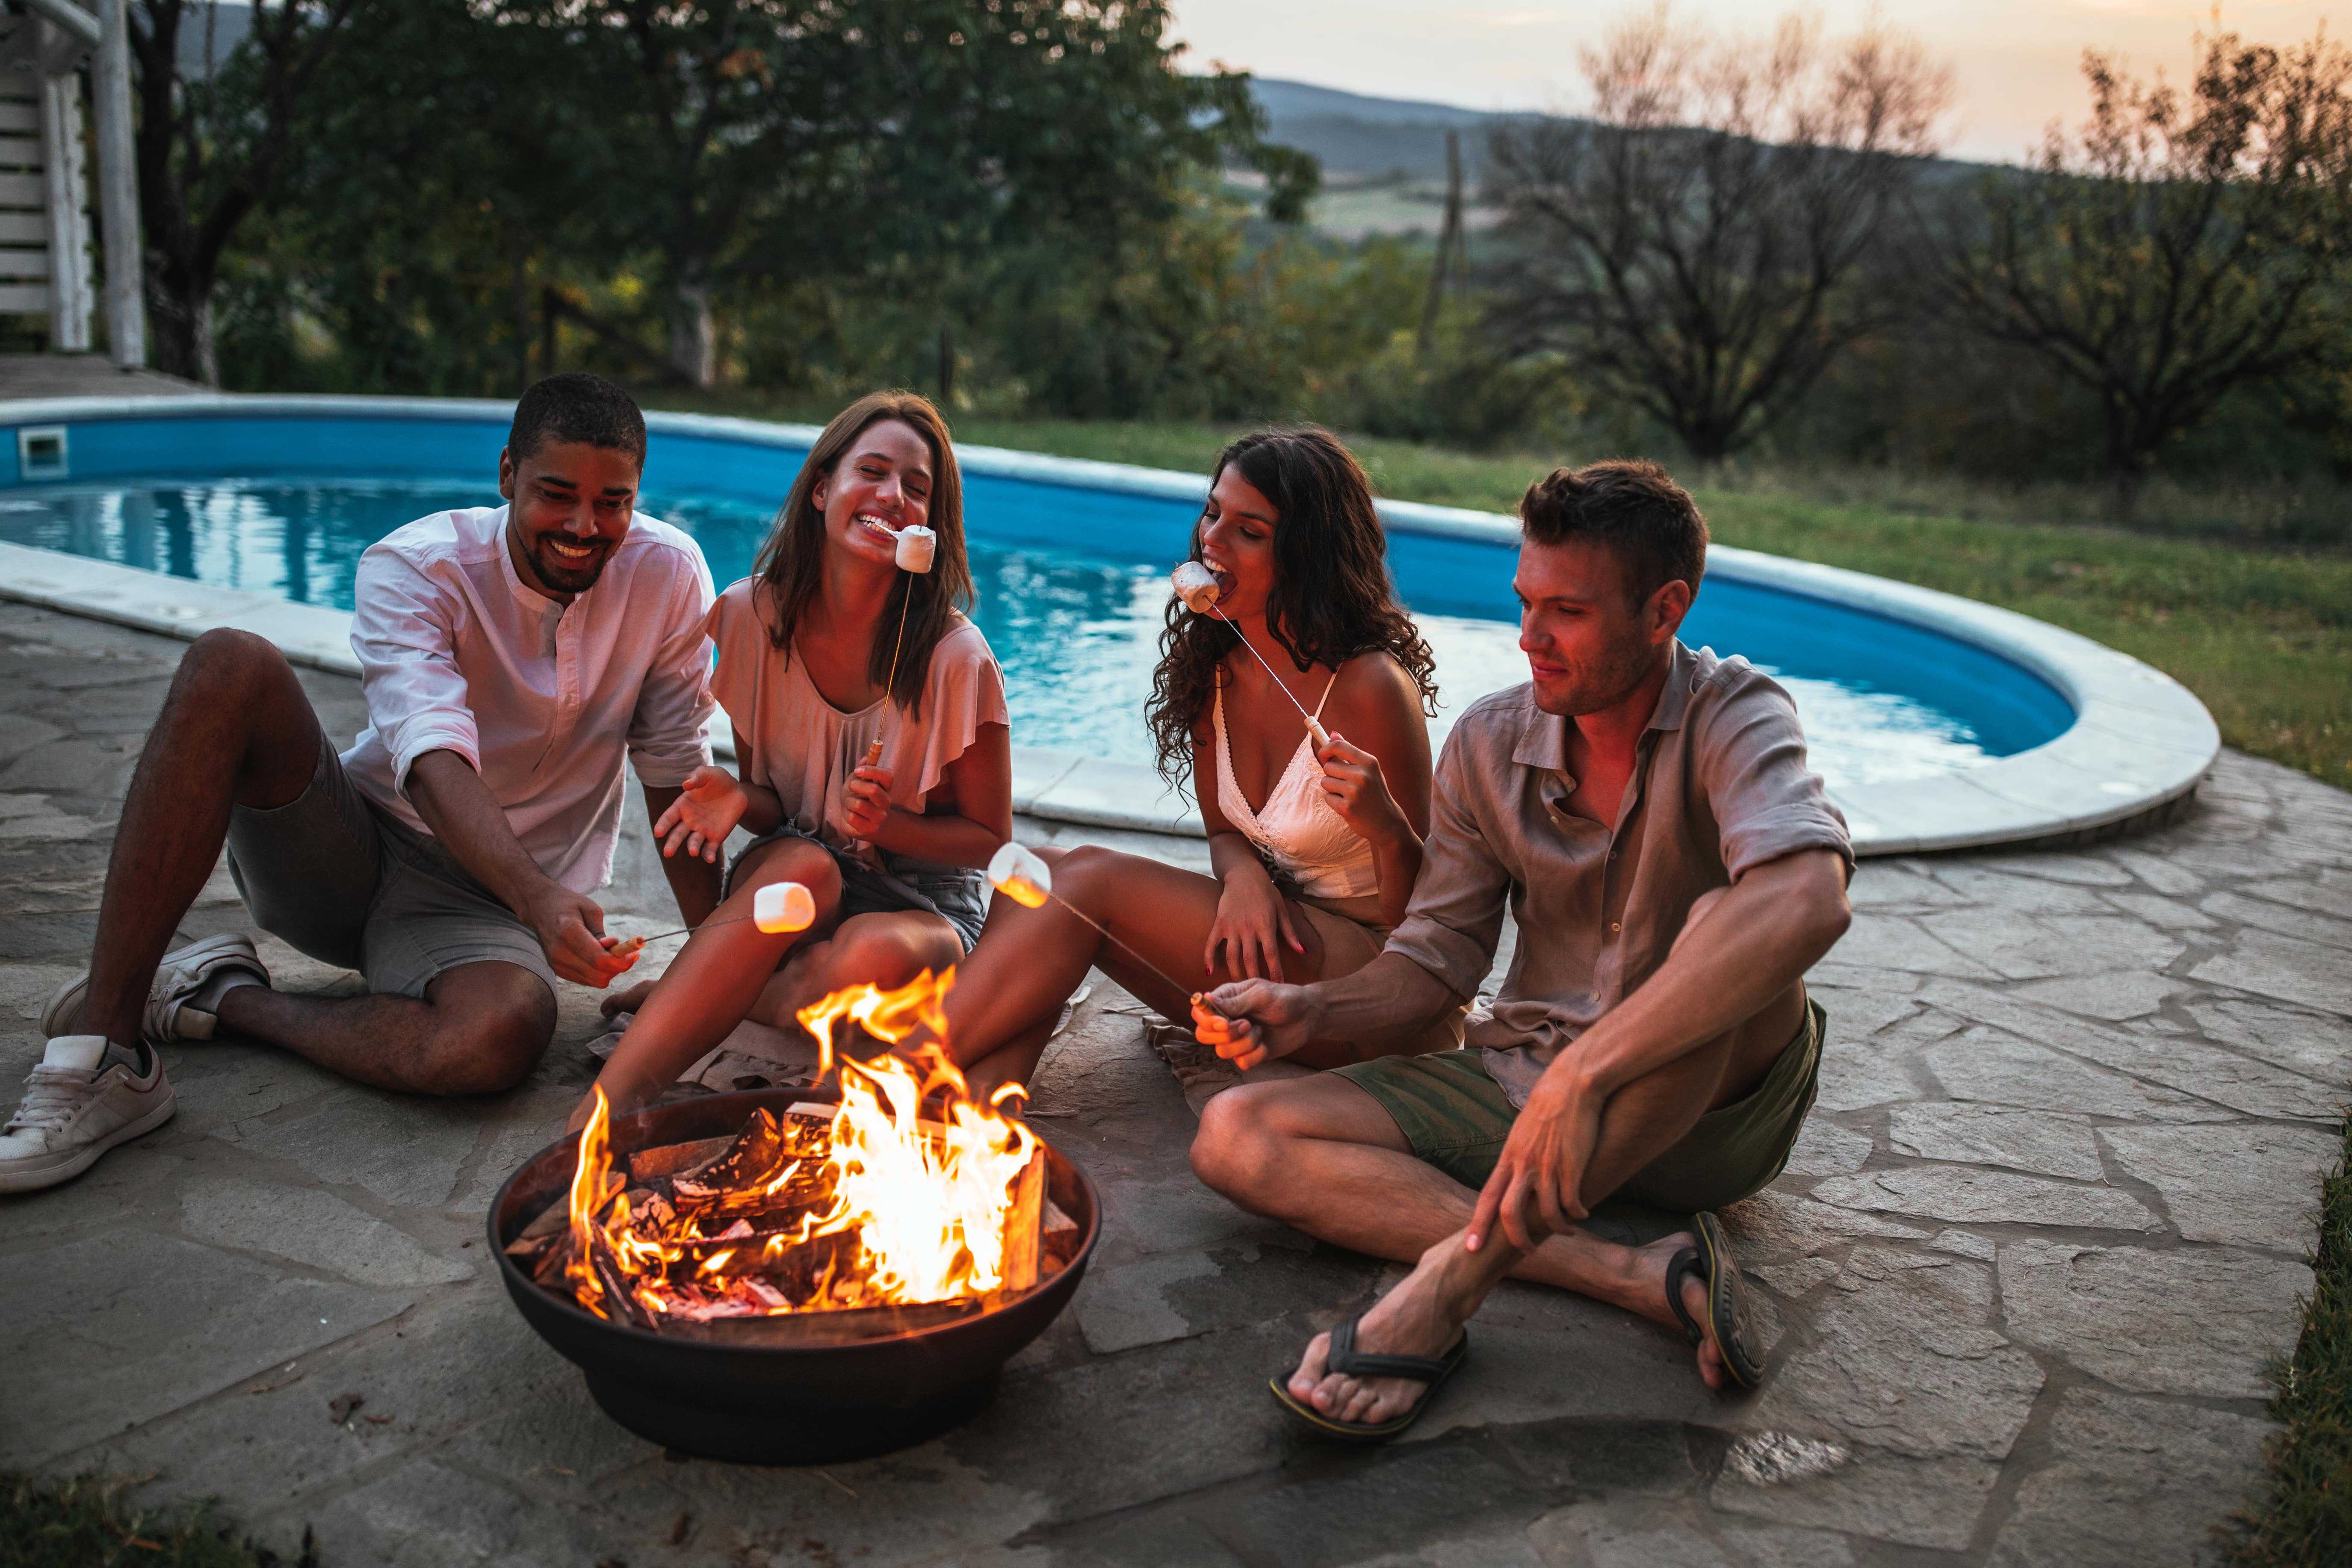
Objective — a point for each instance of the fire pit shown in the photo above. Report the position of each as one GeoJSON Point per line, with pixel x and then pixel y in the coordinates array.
{"type": "Point", "coordinates": [794, 1276]}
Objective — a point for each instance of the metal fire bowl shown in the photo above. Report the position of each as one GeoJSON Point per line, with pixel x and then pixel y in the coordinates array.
{"type": "Point", "coordinates": [768, 1405]}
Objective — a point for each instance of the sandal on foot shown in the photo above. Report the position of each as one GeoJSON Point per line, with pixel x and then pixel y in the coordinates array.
{"type": "Point", "coordinates": [1349, 1362]}
{"type": "Point", "coordinates": [1711, 1264]}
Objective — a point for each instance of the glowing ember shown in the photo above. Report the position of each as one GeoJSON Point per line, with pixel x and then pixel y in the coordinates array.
{"type": "Point", "coordinates": [910, 1193]}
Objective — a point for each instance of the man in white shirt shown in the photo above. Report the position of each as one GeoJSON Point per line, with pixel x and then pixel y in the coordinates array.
{"type": "Point", "coordinates": [512, 658]}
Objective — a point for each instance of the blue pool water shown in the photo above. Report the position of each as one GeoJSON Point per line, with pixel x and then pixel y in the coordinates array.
{"type": "Point", "coordinates": [1071, 581]}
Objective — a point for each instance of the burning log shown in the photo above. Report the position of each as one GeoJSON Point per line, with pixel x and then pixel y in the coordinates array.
{"type": "Point", "coordinates": [908, 1203]}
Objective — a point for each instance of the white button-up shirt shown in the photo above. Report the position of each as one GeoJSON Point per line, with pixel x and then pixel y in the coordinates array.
{"type": "Point", "coordinates": [543, 698]}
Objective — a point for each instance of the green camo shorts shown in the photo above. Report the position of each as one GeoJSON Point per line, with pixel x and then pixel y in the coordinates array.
{"type": "Point", "coordinates": [1456, 1118]}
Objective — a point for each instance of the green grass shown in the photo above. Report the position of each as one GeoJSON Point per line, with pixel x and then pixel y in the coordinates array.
{"type": "Point", "coordinates": [2307, 1520]}
{"type": "Point", "coordinates": [84, 1523]}
{"type": "Point", "coordinates": [2262, 636]}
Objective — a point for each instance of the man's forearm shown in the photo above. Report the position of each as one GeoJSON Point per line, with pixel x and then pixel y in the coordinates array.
{"type": "Point", "coordinates": [1381, 1007]}
{"type": "Point", "coordinates": [459, 807]}
{"type": "Point", "coordinates": [1769, 928]}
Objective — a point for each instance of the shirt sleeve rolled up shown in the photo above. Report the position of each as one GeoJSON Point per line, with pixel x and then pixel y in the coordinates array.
{"type": "Point", "coordinates": [1455, 919]}
{"type": "Point", "coordinates": [403, 636]}
{"type": "Point", "coordinates": [1767, 803]}
{"type": "Point", "coordinates": [669, 734]}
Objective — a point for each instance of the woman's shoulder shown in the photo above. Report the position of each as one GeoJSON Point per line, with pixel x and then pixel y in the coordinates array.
{"type": "Point", "coordinates": [961, 646]}
{"type": "Point", "coordinates": [737, 609]}
{"type": "Point", "coordinates": [1375, 678]}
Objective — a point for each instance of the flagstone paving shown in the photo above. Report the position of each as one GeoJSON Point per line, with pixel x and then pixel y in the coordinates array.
{"type": "Point", "coordinates": [2045, 1230]}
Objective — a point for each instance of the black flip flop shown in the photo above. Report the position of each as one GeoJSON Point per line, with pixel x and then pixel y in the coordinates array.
{"type": "Point", "coordinates": [1726, 1299]}
{"type": "Point", "coordinates": [1349, 1362]}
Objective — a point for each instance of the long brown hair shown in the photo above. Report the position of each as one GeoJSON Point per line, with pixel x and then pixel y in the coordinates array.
{"type": "Point", "coordinates": [1333, 596]}
{"type": "Point", "coordinates": [790, 566]}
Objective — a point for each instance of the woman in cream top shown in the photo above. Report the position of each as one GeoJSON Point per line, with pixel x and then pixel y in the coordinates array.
{"type": "Point", "coordinates": [815, 673]}
{"type": "Point", "coordinates": [1314, 850]}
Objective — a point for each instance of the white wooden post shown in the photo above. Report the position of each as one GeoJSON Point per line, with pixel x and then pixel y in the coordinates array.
{"type": "Point", "coordinates": [118, 176]}
{"type": "Point", "coordinates": [67, 184]}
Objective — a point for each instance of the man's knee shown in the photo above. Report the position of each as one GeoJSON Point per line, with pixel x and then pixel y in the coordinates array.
{"type": "Point", "coordinates": [1235, 1149]}
{"type": "Point", "coordinates": [491, 1029]}
{"type": "Point", "coordinates": [226, 662]}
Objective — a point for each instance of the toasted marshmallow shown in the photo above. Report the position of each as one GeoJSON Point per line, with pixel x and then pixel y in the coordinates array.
{"type": "Point", "coordinates": [1196, 585]}
{"type": "Point", "coordinates": [1020, 875]}
{"type": "Point", "coordinates": [780, 907]}
{"type": "Point", "coordinates": [916, 546]}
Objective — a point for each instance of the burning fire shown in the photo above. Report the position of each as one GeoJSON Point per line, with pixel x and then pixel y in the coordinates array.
{"type": "Point", "coordinates": [878, 1206]}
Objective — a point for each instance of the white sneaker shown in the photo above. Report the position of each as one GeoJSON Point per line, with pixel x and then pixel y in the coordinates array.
{"type": "Point", "coordinates": [184, 973]}
{"type": "Point", "coordinates": [78, 1105]}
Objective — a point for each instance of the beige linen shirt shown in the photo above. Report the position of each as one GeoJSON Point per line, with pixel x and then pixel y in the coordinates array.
{"type": "Point", "coordinates": [457, 654]}
{"type": "Point", "coordinates": [1720, 784]}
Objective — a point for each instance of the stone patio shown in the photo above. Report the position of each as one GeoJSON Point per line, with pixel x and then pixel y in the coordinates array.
{"type": "Point", "coordinates": [2045, 1229]}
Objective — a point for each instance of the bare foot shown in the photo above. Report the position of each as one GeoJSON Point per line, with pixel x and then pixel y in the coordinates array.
{"type": "Point", "coordinates": [1422, 1315]}
{"type": "Point", "coordinates": [626, 1001]}
{"type": "Point", "coordinates": [1651, 1303]}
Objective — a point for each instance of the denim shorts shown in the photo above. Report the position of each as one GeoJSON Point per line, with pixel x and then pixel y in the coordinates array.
{"type": "Point", "coordinates": [950, 892]}
{"type": "Point", "coordinates": [351, 885]}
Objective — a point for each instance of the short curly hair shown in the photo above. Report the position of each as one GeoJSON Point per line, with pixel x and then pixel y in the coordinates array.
{"type": "Point", "coordinates": [577, 407]}
{"type": "Point", "coordinates": [1630, 505]}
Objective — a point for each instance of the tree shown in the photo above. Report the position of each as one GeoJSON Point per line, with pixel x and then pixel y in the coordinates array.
{"type": "Point", "coordinates": [1697, 248]}
{"type": "Point", "coordinates": [2184, 245]}
{"type": "Point", "coordinates": [776, 140]}
{"type": "Point", "coordinates": [211, 150]}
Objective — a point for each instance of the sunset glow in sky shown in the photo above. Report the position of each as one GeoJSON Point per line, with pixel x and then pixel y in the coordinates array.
{"type": "Point", "coordinates": [2017, 62]}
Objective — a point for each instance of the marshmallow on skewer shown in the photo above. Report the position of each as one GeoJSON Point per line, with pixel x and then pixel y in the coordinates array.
{"type": "Point", "coordinates": [1021, 875]}
{"type": "Point", "coordinates": [780, 907]}
{"type": "Point", "coordinates": [916, 546]}
{"type": "Point", "coordinates": [1197, 586]}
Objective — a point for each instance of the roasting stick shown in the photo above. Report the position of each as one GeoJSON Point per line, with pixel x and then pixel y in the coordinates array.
{"type": "Point", "coordinates": [917, 545]}
{"type": "Point", "coordinates": [1029, 881]}
{"type": "Point", "coordinates": [776, 908]}
{"type": "Point", "coordinates": [1197, 586]}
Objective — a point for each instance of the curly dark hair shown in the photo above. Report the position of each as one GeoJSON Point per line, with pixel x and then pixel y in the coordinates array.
{"type": "Point", "coordinates": [1333, 596]}
{"type": "Point", "coordinates": [791, 567]}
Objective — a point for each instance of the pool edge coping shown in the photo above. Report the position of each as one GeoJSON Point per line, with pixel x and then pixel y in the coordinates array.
{"type": "Point", "coordinates": [2140, 740]}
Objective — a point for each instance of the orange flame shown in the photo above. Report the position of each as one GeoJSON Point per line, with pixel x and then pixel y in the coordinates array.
{"type": "Point", "coordinates": [914, 1208]}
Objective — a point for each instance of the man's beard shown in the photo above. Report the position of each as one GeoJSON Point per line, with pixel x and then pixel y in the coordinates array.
{"type": "Point", "coordinates": [557, 578]}
{"type": "Point", "coordinates": [1595, 686]}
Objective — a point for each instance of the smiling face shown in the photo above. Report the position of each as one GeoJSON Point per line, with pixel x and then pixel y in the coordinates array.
{"type": "Point", "coordinates": [569, 508]}
{"type": "Point", "coordinates": [1589, 646]}
{"type": "Point", "coordinates": [1237, 544]}
{"type": "Point", "coordinates": [882, 484]}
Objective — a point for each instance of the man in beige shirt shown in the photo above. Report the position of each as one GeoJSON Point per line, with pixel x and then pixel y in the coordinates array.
{"type": "Point", "coordinates": [1646, 814]}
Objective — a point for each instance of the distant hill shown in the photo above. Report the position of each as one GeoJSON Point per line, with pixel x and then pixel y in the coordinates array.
{"type": "Point", "coordinates": [1359, 139]}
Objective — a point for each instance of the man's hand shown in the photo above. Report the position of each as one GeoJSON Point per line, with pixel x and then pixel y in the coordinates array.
{"type": "Point", "coordinates": [866, 801]}
{"type": "Point", "coordinates": [1539, 1184]}
{"type": "Point", "coordinates": [709, 804]}
{"type": "Point", "coordinates": [571, 931]}
{"type": "Point", "coordinates": [1250, 1022]}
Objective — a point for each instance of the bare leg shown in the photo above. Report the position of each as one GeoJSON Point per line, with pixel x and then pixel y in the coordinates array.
{"type": "Point", "coordinates": [237, 728]}
{"type": "Point", "coordinates": [479, 1028]}
{"type": "Point", "coordinates": [713, 982]}
{"type": "Point", "coordinates": [1027, 962]}
{"type": "Point", "coordinates": [1324, 1156]}
{"type": "Point", "coordinates": [884, 948]}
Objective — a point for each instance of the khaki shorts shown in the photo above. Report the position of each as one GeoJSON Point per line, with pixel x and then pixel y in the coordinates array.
{"type": "Point", "coordinates": [1456, 1118]}
{"type": "Point", "coordinates": [349, 885]}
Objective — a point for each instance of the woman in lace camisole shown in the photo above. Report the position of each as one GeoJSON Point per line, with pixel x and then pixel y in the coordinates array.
{"type": "Point", "coordinates": [815, 673]}
{"type": "Point", "coordinates": [1314, 851]}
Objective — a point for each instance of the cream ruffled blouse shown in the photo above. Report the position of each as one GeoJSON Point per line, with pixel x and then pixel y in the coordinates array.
{"type": "Point", "coordinates": [789, 739]}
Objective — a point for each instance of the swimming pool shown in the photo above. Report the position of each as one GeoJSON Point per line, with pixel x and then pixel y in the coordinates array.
{"type": "Point", "coordinates": [280, 496]}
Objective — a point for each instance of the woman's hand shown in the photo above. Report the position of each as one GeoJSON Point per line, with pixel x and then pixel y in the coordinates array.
{"type": "Point", "coordinates": [1252, 926]}
{"type": "Point", "coordinates": [709, 806]}
{"type": "Point", "coordinates": [866, 802]}
{"type": "Point", "coordinates": [1352, 783]}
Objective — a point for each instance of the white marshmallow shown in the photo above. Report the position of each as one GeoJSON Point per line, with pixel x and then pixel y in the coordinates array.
{"type": "Point", "coordinates": [1020, 875]}
{"type": "Point", "coordinates": [1196, 585]}
{"type": "Point", "coordinates": [780, 907]}
{"type": "Point", "coordinates": [916, 546]}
